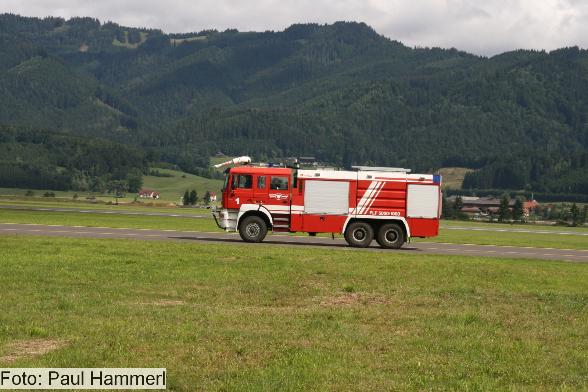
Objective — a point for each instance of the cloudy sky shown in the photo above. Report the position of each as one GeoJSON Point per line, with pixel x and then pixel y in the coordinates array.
{"type": "Point", "coordinates": [484, 27]}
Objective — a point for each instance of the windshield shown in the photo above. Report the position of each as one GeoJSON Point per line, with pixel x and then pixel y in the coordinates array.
{"type": "Point", "coordinates": [226, 182]}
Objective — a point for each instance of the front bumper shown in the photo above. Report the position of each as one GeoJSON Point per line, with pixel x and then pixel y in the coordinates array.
{"type": "Point", "coordinates": [225, 219]}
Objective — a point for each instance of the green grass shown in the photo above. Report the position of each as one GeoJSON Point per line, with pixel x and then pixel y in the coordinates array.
{"type": "Point", "coordinates": [538, 240]}
{"type": "Point", "coordinates": [134, 207]}
{"type": "Point", "coordinates": [115, 221]}
{"type": "Point", "coordinates": [529, 226]}
{"type": "Point", "coordinates": [228, 318]}
{"type": "Point", "coordinates": [19, 193]}
{"type": "Point", "coordinates": [509, 239]}
{"type": "Point", "coordinates": [172, 188]}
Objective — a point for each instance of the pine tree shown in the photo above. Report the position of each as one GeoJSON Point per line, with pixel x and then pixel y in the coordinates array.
{"type": "Point", "coordinates": [458, 205]}
{"type": "Point", "coordinates": [193, 197]}
{"type": "Point", "coordinates": [503, 210]}
{"type": "Point", "coordinates": [447, 211]}
{"type": "Point", "coordinates": [186, 198]}
{"type": "Point", "coordinates": [517, 210]}
{"type": "Point", "coordinates": [584, 214]}
{"type": "Point", "coordinates": [575, 215]}
{"type": "Point", "coordinates": [207, 198]}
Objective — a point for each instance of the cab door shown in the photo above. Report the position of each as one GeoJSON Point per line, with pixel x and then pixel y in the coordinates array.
{"type": "Point", "coordinates": [260, 187]}
{"type": "Point", "coordinates": [241, 190]}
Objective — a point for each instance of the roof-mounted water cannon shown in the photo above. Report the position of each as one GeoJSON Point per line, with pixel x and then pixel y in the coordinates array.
{"type": "Point", "coordinates": [244, 160]}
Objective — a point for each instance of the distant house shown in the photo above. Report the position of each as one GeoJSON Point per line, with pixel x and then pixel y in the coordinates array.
{"type": "Point", "coordinates": [490, 205]}
{"type": "Point", "coordinates": [212, 196]}
{"type": "Point", "coordinates": [529, 206]}
{"type": "Point", "coordinates": [148, 194]}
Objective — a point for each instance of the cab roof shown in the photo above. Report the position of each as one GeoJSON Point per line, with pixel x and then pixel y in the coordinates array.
{"type": "Point", "coordinates": [247, 169]}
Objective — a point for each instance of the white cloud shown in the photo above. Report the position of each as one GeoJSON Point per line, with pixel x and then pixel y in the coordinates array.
{"type": "Point", "coordinates": [482, 27]}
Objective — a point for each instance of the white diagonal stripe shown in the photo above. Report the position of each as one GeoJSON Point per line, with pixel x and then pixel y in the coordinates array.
{"type": "Point", "coordinates": [366, 196]}
{"type": "Point", "coordinates": [370, 197]}
{"type": "Point", "coordinates": [375, 196]}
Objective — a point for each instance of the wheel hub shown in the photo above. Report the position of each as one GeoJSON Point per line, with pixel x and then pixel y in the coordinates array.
{"type": "Point", "coordinates": [391, 236]}
{"type": "Point", "coordinates": [253, 230]}
{"type": "Point", "coordinates": [359, 234]}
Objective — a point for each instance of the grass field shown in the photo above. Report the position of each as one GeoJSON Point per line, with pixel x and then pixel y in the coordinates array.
{"type": "Point", "coordinates": [100, 220]}
{"type": "Point", "coordinates": [289, 319]}
{"type": "Point", "coordinates": [509, 239]}
{"type": "Point", "coordinates": [172, 188]}
{"type": "Point", "coordinates": [520, 226]}
{"type": "Point", "coordinates": [19, 194]}
{"type": "Point", "coordinates": [133, 207]}
{"type": "Point", "coordinates": [207, 224]}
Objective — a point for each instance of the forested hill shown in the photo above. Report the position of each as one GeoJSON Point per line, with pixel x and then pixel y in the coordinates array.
{"type": "Point", "coordinates": [339, 92]}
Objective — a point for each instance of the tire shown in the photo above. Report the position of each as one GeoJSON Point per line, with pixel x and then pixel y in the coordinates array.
{"type": "Point", "coordinates": [252, 229]}
{"type": "Point", "coordinates": [359, 234]}
{"type": "Point", "coordinates": [390, 236]}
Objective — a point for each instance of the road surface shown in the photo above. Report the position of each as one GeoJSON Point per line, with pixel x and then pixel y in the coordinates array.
{"type": "Point", "coordinates": [578, 256]}
{"type": "Point", "coordinates": [526, 229]}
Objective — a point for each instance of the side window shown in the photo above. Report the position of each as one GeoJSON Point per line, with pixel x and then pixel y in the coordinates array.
{"type": "Point", "coordinates": [242, 181]}
{"type": "Point", "coordinates": [245, 181]}
{"type": "Point", "coordinates": [261, 182]}
{"type": "Point", "coordinates": [279, 183]}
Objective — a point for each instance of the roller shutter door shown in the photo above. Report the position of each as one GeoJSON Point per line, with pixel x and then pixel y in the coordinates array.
{"type": "Point", "coordinates": [326, 197]}
{"type": "Point", "coordinates": [422, 201]}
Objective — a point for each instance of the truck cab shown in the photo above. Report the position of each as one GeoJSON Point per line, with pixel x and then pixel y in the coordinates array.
{"type": "Point", "coordinates": [259, 191]}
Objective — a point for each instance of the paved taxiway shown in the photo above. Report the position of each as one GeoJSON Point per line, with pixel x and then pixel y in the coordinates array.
{"type": "Point", "coordinates": [578, 256]}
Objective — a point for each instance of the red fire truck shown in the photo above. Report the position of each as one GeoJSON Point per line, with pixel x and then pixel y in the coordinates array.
{"type": "Point", "coordinates": [388, 204]}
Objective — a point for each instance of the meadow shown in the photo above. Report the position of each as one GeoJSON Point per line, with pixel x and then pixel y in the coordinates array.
{"type": "Point", "coordinates": [171, 189]}
{"type": "Point", "coordinates": [225, 318]}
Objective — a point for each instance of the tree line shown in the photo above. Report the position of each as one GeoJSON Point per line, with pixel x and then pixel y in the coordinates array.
{"type": "Point", "coordinates": [48, 160]}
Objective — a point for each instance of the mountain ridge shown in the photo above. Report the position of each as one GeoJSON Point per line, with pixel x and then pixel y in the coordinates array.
{"type": "Point", "coordinates": [340, 92]}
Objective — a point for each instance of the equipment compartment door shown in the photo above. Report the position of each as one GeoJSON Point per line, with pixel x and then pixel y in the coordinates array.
{"type": "Point", "coordinates": [422, 201]}
{"type": "Point", "coordinates": [326, 197]}
{"type": "Point", "coordinates": [326, 206]}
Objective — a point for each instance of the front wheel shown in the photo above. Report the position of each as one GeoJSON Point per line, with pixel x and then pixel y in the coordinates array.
{"type": "Point", "coordinates": [390, 236]}
{"type": "Point", "coordinates": [252, 229]}
{"type": "Point", "coordinates": [359, 234]}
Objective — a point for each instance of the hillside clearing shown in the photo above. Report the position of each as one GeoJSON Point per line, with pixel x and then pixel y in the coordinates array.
{"type": "Point", "coordinates": [172, 188]}
{"type": "Point", "coordinates": [453, 176]}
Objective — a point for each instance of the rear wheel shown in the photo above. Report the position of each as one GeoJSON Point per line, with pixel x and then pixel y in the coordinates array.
{"type": "Point", "coordinates": [390, 236]}
{"type": "Point", "coordinates": [359, 234]}
{"type": "Point", "coordinates": [252, 229]}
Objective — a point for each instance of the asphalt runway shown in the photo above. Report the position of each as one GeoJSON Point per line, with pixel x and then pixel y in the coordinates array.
{"type": "Point", "coordinates": [166, 214]}
{"type": "Point", "coordinates": [576, 256]}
